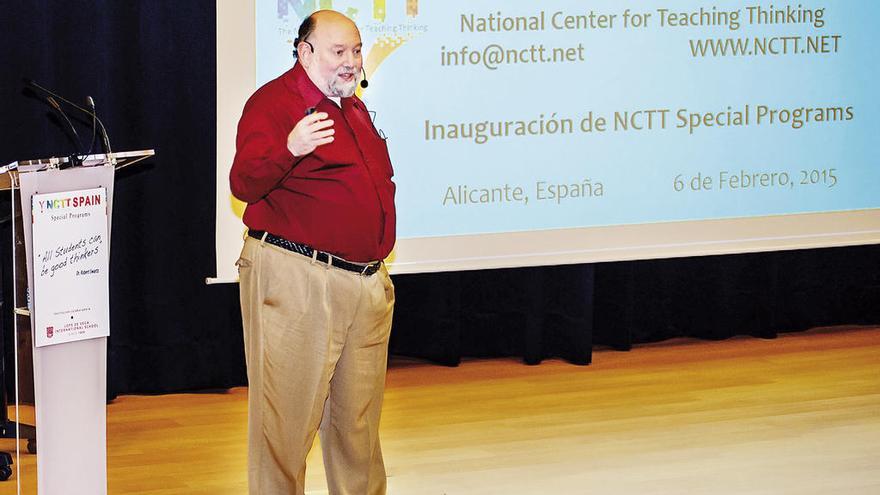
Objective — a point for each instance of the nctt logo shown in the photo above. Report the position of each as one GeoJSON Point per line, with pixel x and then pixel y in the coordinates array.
{"type": "Point", "coordinates": [70, 202]}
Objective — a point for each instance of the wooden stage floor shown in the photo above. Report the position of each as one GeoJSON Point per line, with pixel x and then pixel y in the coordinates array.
{"type": "Point", "coordinates": [796, 415]}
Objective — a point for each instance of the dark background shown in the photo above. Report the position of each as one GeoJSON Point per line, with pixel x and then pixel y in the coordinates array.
{"type": "Point", "coordinates": [150, 65]}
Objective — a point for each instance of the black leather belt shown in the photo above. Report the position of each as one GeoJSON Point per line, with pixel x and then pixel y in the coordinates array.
{"type": "Point", "coordinates": [365, 269]}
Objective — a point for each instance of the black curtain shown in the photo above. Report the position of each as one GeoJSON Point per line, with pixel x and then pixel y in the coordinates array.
{"type": "Point", "coordinates": [150, 65]}
{"type": "Point", "coordinates": [716, 297]}
{"type": "Point", "coordinates": [535, 313]}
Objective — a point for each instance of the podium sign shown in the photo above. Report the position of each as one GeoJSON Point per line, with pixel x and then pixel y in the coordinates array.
{"type": "Point", "coordinates": [71, 284]}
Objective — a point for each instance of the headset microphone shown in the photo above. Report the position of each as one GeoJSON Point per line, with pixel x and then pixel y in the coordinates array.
{"type": "Point", "coordinates": [364, 82]}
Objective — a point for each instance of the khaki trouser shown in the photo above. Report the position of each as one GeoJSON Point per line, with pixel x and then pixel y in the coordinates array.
{"type": "Point", "coordinates": [316, 346]}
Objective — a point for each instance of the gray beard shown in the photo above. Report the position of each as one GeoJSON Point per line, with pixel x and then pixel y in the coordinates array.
{"type": "Point", "coordinates": [343, 90]}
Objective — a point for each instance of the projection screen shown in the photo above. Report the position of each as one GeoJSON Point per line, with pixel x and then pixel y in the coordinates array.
{"type": "Point", "coordinates": [555, 132]}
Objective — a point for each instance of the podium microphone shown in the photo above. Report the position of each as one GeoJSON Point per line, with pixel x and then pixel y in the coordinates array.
{"type": "Point", "coordinates": [74, 158]}
{"type": "Point", "coordinates": [90, 113]}
{"type": "Point", "coordinates": [95, 120]}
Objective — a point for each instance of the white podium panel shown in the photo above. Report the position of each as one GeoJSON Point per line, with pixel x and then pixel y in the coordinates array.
{"type": "Point", "coordinates": [69, 378]}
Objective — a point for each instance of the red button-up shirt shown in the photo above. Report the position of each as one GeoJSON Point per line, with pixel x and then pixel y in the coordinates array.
{"type": "Point", "coordinates": [338, 198]}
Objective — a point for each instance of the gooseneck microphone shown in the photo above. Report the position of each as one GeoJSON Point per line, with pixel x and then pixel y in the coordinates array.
{"type": "Point", "coordinates": [95, 120]}
{"type": "Point", "coordinates": [75, 156]}
{"type": "Point", "coordinates": [364, 82]}
{"type": "Point", "coordinates": [91, 113]}
{"type": "Point", "coordinates": [91, 104]}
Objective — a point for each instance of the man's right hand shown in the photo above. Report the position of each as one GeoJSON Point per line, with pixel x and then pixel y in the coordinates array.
{"type": "Point", "coordinates": [309, 133]}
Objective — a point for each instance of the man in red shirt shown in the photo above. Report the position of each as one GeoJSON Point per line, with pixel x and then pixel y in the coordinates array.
{"type": "Point", "coordinates": [316, 300]}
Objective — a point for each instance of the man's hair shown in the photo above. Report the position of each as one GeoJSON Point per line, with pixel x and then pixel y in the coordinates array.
{"type": "Point", "coordinates": [305, 30]}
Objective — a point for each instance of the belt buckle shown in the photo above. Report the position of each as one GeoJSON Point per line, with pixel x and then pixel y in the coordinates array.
{"type": "Point", "coordinates": [370, 268]}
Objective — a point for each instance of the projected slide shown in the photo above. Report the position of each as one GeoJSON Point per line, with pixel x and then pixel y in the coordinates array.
{"type": "Point", "coordinates": [565, 116]}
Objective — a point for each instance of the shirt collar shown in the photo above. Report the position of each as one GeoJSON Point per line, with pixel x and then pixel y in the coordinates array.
{"type": "Point", "coordinates": [297, 81]}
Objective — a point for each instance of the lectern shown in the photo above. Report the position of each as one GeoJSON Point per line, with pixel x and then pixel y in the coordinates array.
{"type": "Point", "coordinates": [60, 247]}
